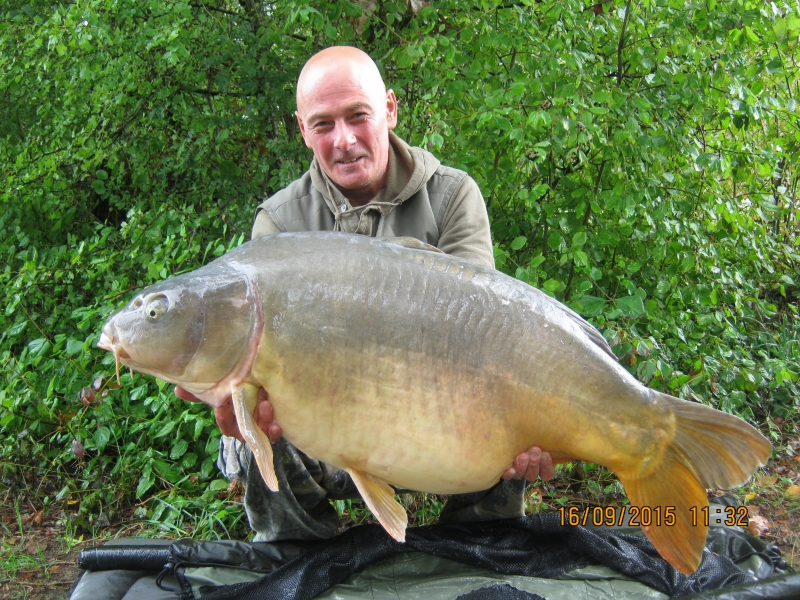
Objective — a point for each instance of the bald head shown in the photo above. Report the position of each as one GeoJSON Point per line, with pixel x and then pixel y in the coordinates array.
{"type": "Point", "coordinates": [345, 114]}
{"type": "Point", "coordinates": [338, 63]}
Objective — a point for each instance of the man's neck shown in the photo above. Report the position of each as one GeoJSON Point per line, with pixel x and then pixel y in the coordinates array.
{"type": "Point", "coordinates": [358, 197]}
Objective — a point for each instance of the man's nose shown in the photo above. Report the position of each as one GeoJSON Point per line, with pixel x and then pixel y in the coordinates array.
{"type": "Point", "coordinates": [344, 136]}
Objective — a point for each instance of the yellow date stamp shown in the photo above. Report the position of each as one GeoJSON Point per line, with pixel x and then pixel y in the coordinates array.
{"type": "Point", "coordinates": [723, 515]}
{"type": "Point", "coordinates": [650, 516]}
{"type": "Point", "coordinates": [607, 516]}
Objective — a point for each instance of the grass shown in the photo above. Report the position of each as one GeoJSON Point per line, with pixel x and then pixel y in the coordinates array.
{"type": "Point", "coordinates": [35, 561]}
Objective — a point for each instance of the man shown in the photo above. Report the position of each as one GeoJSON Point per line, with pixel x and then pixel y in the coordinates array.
{"type": "Point", "coordinates": [365, 180]}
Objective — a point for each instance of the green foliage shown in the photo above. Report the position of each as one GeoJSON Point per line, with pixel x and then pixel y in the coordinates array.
{"type": "Point", "coordinates": [639, 161]}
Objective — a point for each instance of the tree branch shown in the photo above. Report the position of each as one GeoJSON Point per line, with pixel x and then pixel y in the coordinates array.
{"type": "Point", "coordinates": [621, 44]}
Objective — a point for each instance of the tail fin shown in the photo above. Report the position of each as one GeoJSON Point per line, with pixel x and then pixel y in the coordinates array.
{"type": "Point", "coordinates": [711, 449]}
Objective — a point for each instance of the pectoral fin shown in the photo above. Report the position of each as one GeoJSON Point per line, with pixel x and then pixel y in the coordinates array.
{"type": "Point", "coordinates": [245, 398]}
{"type": "Point", "coordinates": [379, 497]}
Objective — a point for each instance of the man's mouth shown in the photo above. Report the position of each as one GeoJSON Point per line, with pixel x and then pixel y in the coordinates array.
{"type": "Point", "coordinates": [350, 161]}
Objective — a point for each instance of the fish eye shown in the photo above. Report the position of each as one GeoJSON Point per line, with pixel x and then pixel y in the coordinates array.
{"type": "Point", "coordinates": [157, 308]}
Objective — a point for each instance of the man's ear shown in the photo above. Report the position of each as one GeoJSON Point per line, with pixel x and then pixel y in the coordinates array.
{"type": "Point", "coordinates": [302, 128]}
{"type": "Point", "coordinates": [391, 109]}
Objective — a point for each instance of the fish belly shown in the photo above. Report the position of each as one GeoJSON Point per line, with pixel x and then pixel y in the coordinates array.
{"type": "Point", "coordinates": [418, 429]}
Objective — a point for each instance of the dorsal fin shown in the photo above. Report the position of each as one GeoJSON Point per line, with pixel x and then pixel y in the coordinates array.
{"type": "Point", "coordinates": [590, 330]}
{"type": "Point", "coordinates": [413, 243]}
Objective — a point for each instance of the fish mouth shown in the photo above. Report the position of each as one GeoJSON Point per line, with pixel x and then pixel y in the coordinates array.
{"type": "Point", "coordinates": [106, 342]}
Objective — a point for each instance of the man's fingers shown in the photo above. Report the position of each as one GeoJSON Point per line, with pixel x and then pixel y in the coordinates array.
{"type": "Point", "coordinates": [531, 464]}
{"type": "Point", "coordinates": [264, 414]}
{"type": "Point", "coordinates": [522, 464]}
{"type": "Point", "coordinates": [265, 417]}
{"type": "Point", "coordinates": [262, 395]}
{"type": "Point", "coordinates": [508, 474]}
{"type": "Point", "coordinates": [274, 432]}
{"type": "Point", "coordinates": [547, 470]}
{"type": "Point", "coordinates": [534, 455]}
{"type": "Point", "coordinates": [185, 395]}
{"type": "Point", "coordinates": [226, 420]}
{"type": "Point", "coordinates": [519, 468]}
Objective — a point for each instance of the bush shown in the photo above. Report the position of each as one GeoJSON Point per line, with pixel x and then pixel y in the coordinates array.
{"type": "Point", "coordinates": [639, 162]}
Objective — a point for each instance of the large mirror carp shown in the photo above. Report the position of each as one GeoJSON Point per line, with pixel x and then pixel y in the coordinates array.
{"type": "Point", "coordinates": [409, 367]}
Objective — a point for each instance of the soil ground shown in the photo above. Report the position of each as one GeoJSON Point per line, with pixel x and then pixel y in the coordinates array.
{"type": "Point", "coordinates": [39, 555]}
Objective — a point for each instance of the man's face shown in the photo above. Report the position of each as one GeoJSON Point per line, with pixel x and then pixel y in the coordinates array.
{"type": "Point", "coordinates": [345, 118]}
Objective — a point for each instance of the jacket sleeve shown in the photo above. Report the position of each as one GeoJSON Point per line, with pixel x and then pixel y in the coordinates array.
{"type": "Point", "coordinates": [465, 227]}
{"type": "Point", "coordinates": [263, 225]}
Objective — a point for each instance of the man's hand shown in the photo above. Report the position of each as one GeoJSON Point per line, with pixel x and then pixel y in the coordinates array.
{"type": "Point", "coordinates": [226, 419]}
{"type": "Point", "coordinates": [531, 464]}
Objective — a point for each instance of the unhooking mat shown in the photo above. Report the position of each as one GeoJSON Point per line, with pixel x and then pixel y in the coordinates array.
{"type": "Point", "coordinates": [529, 558]}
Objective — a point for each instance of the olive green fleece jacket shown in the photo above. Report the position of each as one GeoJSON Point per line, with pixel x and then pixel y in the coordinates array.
{"type": "Point", "coordinates": [422, 199]}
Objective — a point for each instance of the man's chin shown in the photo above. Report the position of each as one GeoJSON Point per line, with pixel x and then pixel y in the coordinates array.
{"type": "Point", "coordinates": [351, 179]}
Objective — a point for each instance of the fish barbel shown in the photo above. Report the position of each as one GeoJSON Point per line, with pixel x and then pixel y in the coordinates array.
{"type": "Point", "coordinates": [409, 367]}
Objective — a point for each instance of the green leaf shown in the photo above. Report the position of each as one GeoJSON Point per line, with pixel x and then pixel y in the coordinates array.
{"type": "Point", "coordinates": [74, 347]}
{"type": "Point", "coordinates": [178, 449]}
{"type": "Point", "coordinates": [580, 257]}
{"type": "Point", "coordinates": [207, 467]}
{"type": "Point", "coordinates": [38, 347]}
{"type": "Point", "coordinates": [145, 483]}
{"type": "Point", "coordinates": [517, 88]}
{"type": "Point", "coordinates": [519, 242]}
{"type": "Point", "coordinates": [687, 263]}
{"type": "Point", "coordinates": [218, 485]}
{"type": "Point", "coordinates": [351, 10]}
{"type": "Point", "coordinates": [199, 425]}
{"type": "Point", "coordinates": [502, 123]}
{"type": "Point", "coordinates": [631, 306]}
{"type": "Point", "coordinates": [17, 328]}
{"type": "Point", "coordinates": [167, 470]}
{"type": "Point", "coordinates": [591, 306]}
{"type": "Point", "coordinates": [101, 437]}
{"type": "Point", "coordinates": [166, 429]}
{"type": "Point", "coordinates": [536, 261]}
{"type": "Point", "coordinates": [553, 286]}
